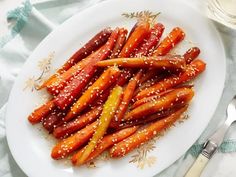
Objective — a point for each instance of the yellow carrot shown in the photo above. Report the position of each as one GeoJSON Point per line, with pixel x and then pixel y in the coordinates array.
{"type": "Point", "coordinates": [108, 112]}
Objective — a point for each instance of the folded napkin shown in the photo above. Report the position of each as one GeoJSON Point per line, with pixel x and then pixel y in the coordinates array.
{"type": "Point", "coordinates": [32, 22]}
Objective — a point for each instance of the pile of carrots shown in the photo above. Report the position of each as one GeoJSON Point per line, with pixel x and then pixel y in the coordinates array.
{"type": "Point", "coordinates": [118, 91]}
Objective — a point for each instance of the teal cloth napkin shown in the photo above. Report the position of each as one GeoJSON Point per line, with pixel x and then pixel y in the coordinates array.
{"type": "Point", "coordinates": [32, 23]}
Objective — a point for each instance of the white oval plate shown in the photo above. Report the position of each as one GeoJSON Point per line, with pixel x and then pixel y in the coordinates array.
{"type": "Point", "coordinates": [30, 148]}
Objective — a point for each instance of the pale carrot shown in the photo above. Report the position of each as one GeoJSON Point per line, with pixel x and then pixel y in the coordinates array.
{"type": "Point", "coordinates": [108, 112]}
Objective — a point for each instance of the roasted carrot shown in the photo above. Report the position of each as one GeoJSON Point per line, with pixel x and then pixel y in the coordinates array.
{"type": "Point", "coordinates": [127, 96]}
{"type": "Point", "coordinates": [167, 101]}
{"type": "Point", "coordinates": [169, 42]}
{"type": "Point", "coordinates": [38, 114]}
{"type": "Point", "coordinates": [74, 89]}
{"type": "Point", "coordinates": [93, 44]}
{"type": "Point", "coordinates": [192, 70]}
{"type": "Point", "coordinates": [119, 43]}
{"type": "Point", "coordinates": [191, 54]}
{"type": "Point", "coordinates": [125, 75]}
{"type": "Point", "coordinates": [138, 35]}
{"type": "Point", "coordinates": [173, 38]}
{"type": "Point", "coordinates": [108, 112]}
{"type": "Point", "coordinates": [60, 81]}
{"type": "Point", "coordinates": [151, 118]}
{"type": "Point", "coordinates": [139, 32]}
{"type": "Point", "coordinates": [102, 98]}
{"type": "Point", "coordinates": [149, 99]}
{"type": "Point", "coordinates": [170, 62]}
{"type": "Point", "coordinates": [147, 79]}
{"type": "Point", "coordinates": [68, 128]}
{"type": "Point", "coordinates": [148, 46]}
{"type": "Point", "coordinates": [133, 28]}
{"type": "Point", "coordinates": [105, 143]}
{"type": "Point", "coordinates": [102, 83]}
{"type": "Point", "coordinates": [65, 147]}
{"type": "Point", "coordinates": [125, 146]}
{"type": "Point", "coordinates": [155, 77]}
{"type": "Point", "coordinates": [53, 120]}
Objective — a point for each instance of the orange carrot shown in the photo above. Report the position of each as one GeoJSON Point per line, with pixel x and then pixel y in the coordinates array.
{"type": "Point", "coordinates": [170, 62]}
{"type": "Point", "coordinates": [74, 89]}
{"type": "Point", "coordinates": [105, 143]}
{"type": "Point", "coordinates": [93, 44]}
{"type": "Point", "coordinates": [127, 96]}
{"type": "Point", "coordinates": [152, 77]}
{"type": "Point", "coordinates": [167, 101]}
{"type": "Point", "coordinates": [125, 146]}
{"type": "Point", "coordinates": [103, 82]}
{"type": "Point", "coordinates": [119, 43]}
{"type": "Point", "coordinates": [151, 118]}
{"type": "Point", "coordinates": [195, 68]}
{"type": "Point", "coordinates": [38, 114]}
{"type": "Point", "coordinates": [148, 46]}
{"type": "Point", "coordinates": [60, 81]}
{"type": "Point", "coordinates": [138, 35]}
{"type": "Point", "coordinates": [173, 38]}
{"type": "Point", "coordinates": [68, 128]}
{"type": "Point", "coordinates": [191, 54]}
{"type": "Point", "coordinates": [67, 146]}
{"type": "Point", "coordinates": [53, 120]}
{"type": "Point", "coordinates": [139, 32]}
{"type": "Point", "coordinates": [148, 75]}
{"type": "Point", "coordinates": [148, 99]}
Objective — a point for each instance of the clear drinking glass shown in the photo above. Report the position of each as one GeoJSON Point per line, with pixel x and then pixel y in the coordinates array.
{"type": "Point", "coordinates": [224, 11]}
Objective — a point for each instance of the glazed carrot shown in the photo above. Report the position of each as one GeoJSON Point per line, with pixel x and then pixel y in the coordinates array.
{"type": "Point", "coordinates": [53, 120]}
{"type": "Point", "coordinates": [105, 143]}
{"type": "Point", "coordinates": [80, 122]}
{"type": "Point", "coordinates": [152, 77]}
{"type": "Point", "coordinates": [133, 28]}
{"type": "Point", "coordinates": [125, 146]}
{"type": "Point", "coordinates": [191, 54]}
{"type": "Point", "coordinates": [74, 89]}
{"type": "Point", "coordinates": [127, 96]}
{"type": "Point", "coordinates": [108, 112]}
{"type": "Point", "coordinates": [173, 38]}
{"type": "Point", "coordinates": [167, 101]}
{"type": "Point", "coordinates": [119, 43]}
{"type": "Point", "coordinates": [38, 114]}
{"type": "Point", "coordinates": [148, 99]}
{"type": "Point", "coordinates": [102, 98]}
{"type": "Point", "coordinates": [192, 70]}
{"type": "Point", "coordinates": [169, 42]}
{"type": "Point", "coordinates": [60, 81]}
{"type": "Point", "coordinates": [96, 42]}
{"type": "Point", "coordinates": [138, 35]}
{"type": "Point", "coordinates": [65, 147]}
{"type": "Point", "coordinates": [151, 118]}
{"type": "Point", "coordinates": [170, 62]}
{"type": "Point", "coordinates": [125, 75]}
{"type": "Point", "coordinates": [102, 83]}
{"type": "Point", "coordinates": [148, 46]}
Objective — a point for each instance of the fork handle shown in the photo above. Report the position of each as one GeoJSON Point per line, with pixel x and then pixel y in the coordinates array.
{"type": "Point", "coordinates": [198, 166]}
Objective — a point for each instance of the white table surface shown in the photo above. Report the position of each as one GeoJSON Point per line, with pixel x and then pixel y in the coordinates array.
{"type": "Point", "coordinates": [221, 165]}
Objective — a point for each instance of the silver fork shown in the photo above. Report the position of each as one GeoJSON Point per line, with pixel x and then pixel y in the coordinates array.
{"type": "Point", "coordinates": [213, 142]}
